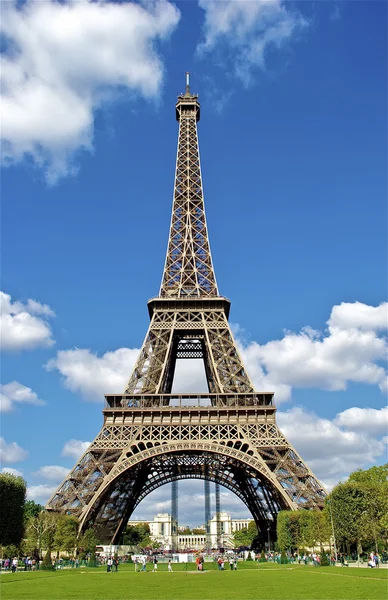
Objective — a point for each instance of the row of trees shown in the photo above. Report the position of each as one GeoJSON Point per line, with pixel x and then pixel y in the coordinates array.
{"type": "Point", "coordinates": [359, 509]}
{"type": "Point", "coordinates": [27, 529]}
{"type": "Point", "coordinates": [302, 529]}
{"type": "Point", "coordinates": [355, 517]}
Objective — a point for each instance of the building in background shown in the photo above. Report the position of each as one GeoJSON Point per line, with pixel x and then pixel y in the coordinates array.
{"type": "Point", "coordinates": [161, 532]}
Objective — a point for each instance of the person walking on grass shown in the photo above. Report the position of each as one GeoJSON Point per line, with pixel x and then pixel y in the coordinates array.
{"type": "Point", "coordinates": [144, 563]}
{"type": "Point", "coordinates": [14, 564]}
{"type": "Point", "coordinates": [155, 561]}
{"type": "Point", "coordinates": [169, 568]}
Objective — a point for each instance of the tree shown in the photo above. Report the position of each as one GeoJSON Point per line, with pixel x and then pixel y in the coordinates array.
{"type": "Point", "coordinates": [301, 528]}
{"type": "Point", "coordinates": [41, 531]}
{"type": "Point", "coordinates": [31, 509]}
{"type": "Point", "coordinates": [319, 528]}
{"type": "Point", "coordinates": [377, 475]}
{"type": "Point", "coordinates": [88, 542]}
{"type": "Point", "coordinates": [185, 531]}
{"type": "Point", "coordinates": [199, 531]}
{"type": "Point", "coordinates": [65, 537]}
{"type": "Point", "coordinates": [246, 535]}
{"type": "Point", "coordinates": [284, 539]}
{"type": "Point", "coordinates": [137, 535]}
{"type": "Point", "coordinates": [12, 500]}
{"type": "Point", "coordinates": [359, 508]}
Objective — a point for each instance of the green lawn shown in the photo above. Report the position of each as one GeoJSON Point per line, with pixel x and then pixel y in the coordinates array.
{"type": "Point", "coordinates": [254, 581]}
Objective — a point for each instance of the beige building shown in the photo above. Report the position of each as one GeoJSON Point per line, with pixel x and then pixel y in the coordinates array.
{"type": "Point", "coordinates": [162, 526]}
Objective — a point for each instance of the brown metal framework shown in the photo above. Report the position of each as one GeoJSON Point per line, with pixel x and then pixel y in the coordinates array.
{"type": "Point", "coordinates": [151, 436]}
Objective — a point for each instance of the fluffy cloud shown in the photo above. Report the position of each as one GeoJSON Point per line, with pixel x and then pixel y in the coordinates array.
{"type": "Point", "coordinates": [349, 351]}
{"type": "Point", "coordinates": [11, 453]}
{"type": "Point", "coordinates": [245, 31]}
{"type": "Point", "coordinates": [63, 60]}
{"type": "Point", "coordinates": [365, 420]}
{"type": "Point", "coordinates": [330, 450]}
{"type": "Point", "coordinates": [24, 326]}
{"type": "Point", "coordinates": [356, 315]}
{"type": "Point", "coordinates": [75, 448]}
{"type": "Point", "coordinates": [12, 471]}
{"type": "Point", "coordinates": [93, 376]}
{"type": "Point", "coordinates": [13, 393]}
{"type": "Point", "coordinates": [40, 493]}
{"type": "Point", "coordinates": [52, 472]}
{"type": "Point", "coordinates": [346, 352]}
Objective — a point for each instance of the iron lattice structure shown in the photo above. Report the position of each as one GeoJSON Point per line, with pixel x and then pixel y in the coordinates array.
{"type": "Point", "coordinates": [151, 436]}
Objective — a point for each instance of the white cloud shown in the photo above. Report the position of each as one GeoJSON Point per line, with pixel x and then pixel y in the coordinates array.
{"type": "Point", "coordinates": [11, 453]}
{"type": "Point", "coordinates": [365, 420]}
{"type": "Point", "coordinates": [52, 473]}
{"type": "Point", "coordinates": [351, 350]}
{"type": "Point", "coordinates": [75, 448]}
{"type": "Point", "coordinates": [12, 471]}
{"type": "Point", "coordinates": [24, 326]}
{"type": "Point", "coordinates": [40, 493]}
{"type": "Point", "coordinates": [307, 359]}
{"type": "Point", "coordinates": [63, 61]}
{"type": "Point", "coordinates": [93, 376]}
{"type": "Point", "coordinates": [356, 315]}
{"type": "Point", "coordinates": [245, 31]}
{"type": "Point", "coordinates": [331, 451]}
{"type": "Point", "coordinates": [14, 392]}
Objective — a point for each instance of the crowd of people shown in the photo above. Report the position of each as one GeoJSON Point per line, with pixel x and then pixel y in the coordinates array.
{"type": "Point", "coordinates": [112, 562]}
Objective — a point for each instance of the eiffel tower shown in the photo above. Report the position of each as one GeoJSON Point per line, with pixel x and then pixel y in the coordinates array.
{"type": "Point", "coordinates": [151, 436]}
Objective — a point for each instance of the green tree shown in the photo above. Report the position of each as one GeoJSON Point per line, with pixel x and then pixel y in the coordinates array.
{"type": "Point", "coordinates": [65, 537]}
{"type": "Point", "coordinates": [137, 535]}
{"type": "Point", "coordinates": [12, 500]}
{"type": "Point", "coordinates": [360, 508]}
{"type": "Point", "coordinates": [31, 509]}
{"type": "Point", "coordinates": [377, 475]}
{"type": "Point", "coordinates": [87, 543]}
{"type": "Point", "coordinates": [185, 531]}
{"type": "Point", "coordinates": [307, 533]}
{"type": "Point", "coordinates": [40, 531]}
{"type": "Point", "coordinates": [348, 503]}
{"type": "Point", "coordinates": [284, 540]}
{"type": "Point", "coordinates": [319, 528]}
{"type": "Point", "coordinates": [199, 531]}
{"type": "Point", "coordinates": [246, 535]}
{"type": "Point", "coordinates": [301, 528]}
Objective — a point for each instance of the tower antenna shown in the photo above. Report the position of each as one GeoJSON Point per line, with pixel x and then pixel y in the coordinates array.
{"type": "Point", "coordinates": [187, 82]}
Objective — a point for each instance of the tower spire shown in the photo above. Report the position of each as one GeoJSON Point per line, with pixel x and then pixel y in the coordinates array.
{"type": "Point", "coordinates": [188, 268]}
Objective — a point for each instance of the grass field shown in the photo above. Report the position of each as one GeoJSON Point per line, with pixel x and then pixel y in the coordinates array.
{"type": "Point", "coordinates": [266, 581]}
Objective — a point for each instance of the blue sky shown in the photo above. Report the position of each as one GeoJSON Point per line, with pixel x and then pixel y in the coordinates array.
{"type": "Point", "coordinates": [293, 141]}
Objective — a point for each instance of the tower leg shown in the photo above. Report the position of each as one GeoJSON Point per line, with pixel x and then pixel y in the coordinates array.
{"type": "Point", "coordinates": [207, 515]}
{"type": "Point", "coordinates": [218, 515]}
{"type": "Point", "coordinates": [174, 516]}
